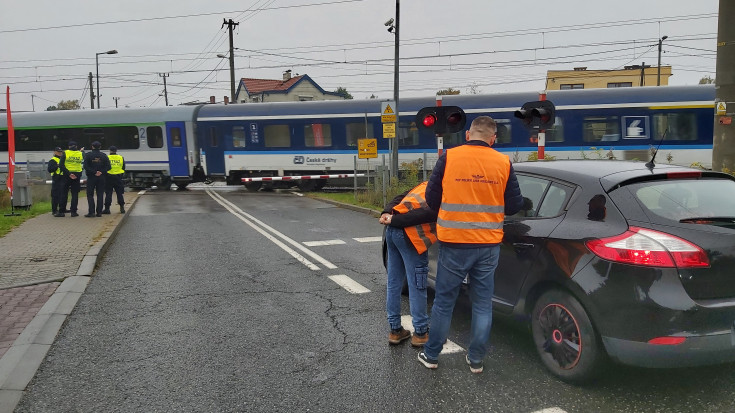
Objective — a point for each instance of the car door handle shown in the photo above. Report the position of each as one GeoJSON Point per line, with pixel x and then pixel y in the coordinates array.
{"type": "Point", "coordinates": [522, 245]}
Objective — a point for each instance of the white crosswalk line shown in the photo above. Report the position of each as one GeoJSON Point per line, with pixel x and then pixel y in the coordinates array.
{"type": "Point", "coordinates": [349, 284]}
{"type": "Point", "coordinates": [551, 410]}
{"type": "Point", "coordinates": [369, 239]}
{"type": "Point", "coordinates": [449, 346]}
{"type": "Point", "coordinates": [323, 243]}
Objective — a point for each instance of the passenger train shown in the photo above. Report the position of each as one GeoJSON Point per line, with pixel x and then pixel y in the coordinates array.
{"type": "Point", "coordinates": [184, 144]}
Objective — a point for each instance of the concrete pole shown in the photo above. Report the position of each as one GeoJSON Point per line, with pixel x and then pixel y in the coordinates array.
{"type": "Point", "coordinates": [723, 153]}
{"type": "Point", "coordinates": [394, 150]}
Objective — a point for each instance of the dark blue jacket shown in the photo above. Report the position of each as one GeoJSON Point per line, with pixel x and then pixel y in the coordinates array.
{"type": "Point", "coordinates": [434, 190]}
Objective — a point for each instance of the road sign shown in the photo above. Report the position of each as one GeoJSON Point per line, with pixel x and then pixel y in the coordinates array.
{"type": "Point", "coordinates": [389, 130]}
{"type": "Point", "coordinates": [721, 108]}
{"type": "Point", "coordinates": [387, 112]}
{"type": "Point", "coordinates": [367, 148]}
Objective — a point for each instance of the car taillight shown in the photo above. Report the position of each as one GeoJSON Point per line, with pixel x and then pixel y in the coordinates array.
{"type": "Point", "coordinates": [641, 246]}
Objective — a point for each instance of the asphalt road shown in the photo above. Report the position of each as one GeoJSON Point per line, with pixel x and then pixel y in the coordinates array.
{"type": "Point", "coordinates": [211, 301]}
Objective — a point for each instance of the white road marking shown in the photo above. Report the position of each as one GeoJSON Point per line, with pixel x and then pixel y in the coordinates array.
{"type": "Point", "coordinates": [141, 192]}
{"type": "Point", "coordinates": [272, 230]}
{"type": "Point", "coordinates": [369, 239]}
{"type": "Point", "coordinates": [323, 243]}
{"type": "Point", "coordinates": [551, 410]}
{"type": "Point", "coordinates": [349, 284]}
{"type": "Point", "coordinates": [283, 246]}
{"type": "Point", "coordinates": [449, 346]}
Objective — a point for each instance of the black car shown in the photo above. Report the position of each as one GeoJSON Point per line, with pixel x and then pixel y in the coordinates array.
{"type": "Point", "coordinates": [620, 260]}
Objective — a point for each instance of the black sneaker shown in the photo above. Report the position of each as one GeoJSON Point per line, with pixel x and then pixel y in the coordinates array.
{"type": "Point", "coordinates": [474, 367]}
{"type": "Point", "coordinates": [122, 209]}
{"type": "Point", "coordinates": [427, 362]}
{"type": "Point", "coordinates": [74, 214]}
{"type": "Point", "coordinates": [87, 216]}
{"type": "Point", "coordinates": [106, 211]}
{"type": "Point", "coordinates": [59, 214]}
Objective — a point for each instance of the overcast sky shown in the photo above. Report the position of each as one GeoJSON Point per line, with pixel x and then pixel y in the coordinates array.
{"type": "Point", "coordinates": [48, 47]}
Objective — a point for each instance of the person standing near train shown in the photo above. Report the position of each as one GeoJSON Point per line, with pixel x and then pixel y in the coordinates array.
{"type": "Point", "coordinates": [57, 183]}
{"type": "Point", "coordinates": [96, 165]}
{"type": "Point", "coordinates": [70, 163]}
{"type": "Point", "coordinates": [114, 181]}
{"type": "Point", "coordinates": [410, 231]}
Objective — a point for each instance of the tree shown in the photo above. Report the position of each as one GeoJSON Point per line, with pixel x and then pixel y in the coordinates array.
{"type": "Point", "coordinates": [448, 91]}
{"type": "Point", "coordinates": [343, 92]}
{"type": "Point", "coordinates": [65, 105]}
{"type": "Point", "coordinates": [474, 89]}
{"type": "Point", "coordinates": [706, 80]}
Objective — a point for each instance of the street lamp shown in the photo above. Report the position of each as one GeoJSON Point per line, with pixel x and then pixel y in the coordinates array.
{"type": "Point", "coordinates": [393, 27]}
{"type": "Point", "coordinates": [97, 64]}
{"type": "Point", "coordinates": [232, 75]}
{"type": "Point", "coordinates": [660, 42]}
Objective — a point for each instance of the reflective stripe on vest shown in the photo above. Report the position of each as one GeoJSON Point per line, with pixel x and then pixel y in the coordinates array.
{"type": "Point", "coordinates": [58, 162]}
{"type": "Point", "coordinates": [473, 189]}
{"type": "Point", "coordinates": [116, 163]}
{"type": "Point", "coordinates": [74, 160]}
{"type": "Point", "coordinates": [422, 235]}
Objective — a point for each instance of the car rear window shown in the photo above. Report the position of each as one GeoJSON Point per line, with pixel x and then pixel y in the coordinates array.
{"type": "Point", "coordinates": [687, 198]}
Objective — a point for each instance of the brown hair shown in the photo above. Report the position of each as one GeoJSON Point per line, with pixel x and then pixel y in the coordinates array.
{"type": "Point", "coordinates": [484, 126]}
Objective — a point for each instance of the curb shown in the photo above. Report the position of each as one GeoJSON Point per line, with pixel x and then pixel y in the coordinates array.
{"type": "Point", "coordinates": [19, 364]}
{"type": "Point", "coordinates": [364, 210]}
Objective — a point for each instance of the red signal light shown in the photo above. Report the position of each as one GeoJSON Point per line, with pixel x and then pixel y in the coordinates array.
{"type": "Point", "coordinates": [429, 120]}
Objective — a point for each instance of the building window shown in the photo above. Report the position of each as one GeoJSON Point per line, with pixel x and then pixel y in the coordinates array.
{"type": "Point", "coordinates": [620, 84]}
{"type": "Point", "coordinates": [569, 86]}
{"type": "Point", "coordinates": [277, 136]}
{"type": "Point", "coordinates": [238, 136]}
{"type": "Point", "coordinates": [318, 135]}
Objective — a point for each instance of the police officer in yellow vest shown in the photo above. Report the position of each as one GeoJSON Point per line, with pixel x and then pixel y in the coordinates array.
{"type": "Point", "coordinates": [115, 181]}
{"type": "Point", "coordinates": [57, 182]}
{"type": "Point", "coordinates": [410, 231]}
{"type": "Point", "coordinates": [472, 186]}
{"type": "Point", "coordinates": [71, 162]}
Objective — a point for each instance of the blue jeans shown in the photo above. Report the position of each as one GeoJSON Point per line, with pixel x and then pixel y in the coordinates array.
{"type": "Point", "coordinates": [453, 265]}
{"type": "Point", "coordinates": [404, 263]}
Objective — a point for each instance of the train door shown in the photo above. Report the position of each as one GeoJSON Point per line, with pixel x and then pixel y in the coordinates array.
{"type": "Point", "coordinates": [213, 148]}
{"type": "Point", "coordinates": [178, 159]}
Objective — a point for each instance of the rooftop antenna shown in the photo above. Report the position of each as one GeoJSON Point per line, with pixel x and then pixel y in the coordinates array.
{"type": "Point", "coordinates": [651, 164]}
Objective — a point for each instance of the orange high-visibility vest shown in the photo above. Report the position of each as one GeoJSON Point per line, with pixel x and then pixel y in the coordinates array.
{"type": "Point", "coordinates": [423, 235]}
{"type": "Point", "coordinates": [473, 202]}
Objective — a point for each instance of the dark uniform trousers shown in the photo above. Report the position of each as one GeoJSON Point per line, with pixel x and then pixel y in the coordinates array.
{"type": "Point", "coordinates": [95, 183]}
{"type": "Point", "coordinates": [57, 193]}
{"type": "Point", "coordinates": [73, 185]}
{"type": "Point", "coordinates": [114, 182]}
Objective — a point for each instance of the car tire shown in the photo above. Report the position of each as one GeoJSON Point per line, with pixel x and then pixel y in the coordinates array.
{"type": "Point", "coordinates": [565, 338]}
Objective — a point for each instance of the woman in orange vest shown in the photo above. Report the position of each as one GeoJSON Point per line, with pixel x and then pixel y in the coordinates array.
{"type": "Point", "coordinates": [472, 186]}
{"type": "Point", "coordinates": [410, 231]}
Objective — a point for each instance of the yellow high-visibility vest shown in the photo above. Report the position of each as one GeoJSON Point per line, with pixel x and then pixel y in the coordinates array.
{"type": "Point", "coordinates": [423, 235]}
{"type": "Point", "coordinates": [58, 162]}
{"type": "Point", "coordinates": [74, 160]}
{"type": "Point", "coordinates": [116, 163]}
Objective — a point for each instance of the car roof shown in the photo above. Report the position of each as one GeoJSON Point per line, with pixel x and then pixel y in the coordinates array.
{"type": "Point", "coordinates": [608, 173]}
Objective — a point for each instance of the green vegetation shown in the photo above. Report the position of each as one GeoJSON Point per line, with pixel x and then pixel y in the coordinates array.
{"type": "Point", "coordinates": [8, 223]}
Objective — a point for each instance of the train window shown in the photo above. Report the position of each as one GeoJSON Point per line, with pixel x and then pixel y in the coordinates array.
{"type": "Point", "coordinates": [3, 140]}
{"type": "Point", "coordinates": [277, 136]}
{"type": "Point", "coordinates": [676, 126]}
{"type": "Point", "coordinates": [357, 131]}
{"type": "Point", "coordinates": [155, 136]}
{"type": "Point", "coordinates": [408, 134]}
{"type": "Point", "coordinates": [556, 132]}
{"type": "Point", "coordinates": [213, 137]}
{"type": "Point", "coordinates": [238, 137]}
{"type": "Point", "coordinates": [503, 133]}
{"type": "Point", "coordinates": [600, 128]}
{"type": "Point", "coordinates": [176, 137]}
{"type": "Point", "coordinates": [318, 135]}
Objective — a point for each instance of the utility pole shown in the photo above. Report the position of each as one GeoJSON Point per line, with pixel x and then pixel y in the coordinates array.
{"type": "Point", "coordinates": [230, 25]}
{"type": "Point", "coordinates": [394, 151]}
{"type": "Point", "coordinates": [658, 74]}
{"type": "Point", "coordinates": [723, 150]}
{"type": "Point", "coordinates": [116, 99]}
{"type": "Point", "coordinates": [165, 90]}
{"type": "Point", "coordinates": [91, 90]}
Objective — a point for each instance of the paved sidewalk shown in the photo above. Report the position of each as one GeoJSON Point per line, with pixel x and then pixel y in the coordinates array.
{"type": "Point", "coordinates": [45, 265]}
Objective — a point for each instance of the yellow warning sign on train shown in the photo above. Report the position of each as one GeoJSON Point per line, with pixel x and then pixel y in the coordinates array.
{"type": "Point", "coordinates": [367, 148]}
{"type": "Point", "coordinates": [387, 112]}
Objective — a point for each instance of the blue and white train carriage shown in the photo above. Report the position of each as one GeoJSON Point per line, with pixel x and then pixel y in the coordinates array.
{"type": "Point", "coordinates": [159, 144]}
{"type": "Point", "coordinates": [307, 138]}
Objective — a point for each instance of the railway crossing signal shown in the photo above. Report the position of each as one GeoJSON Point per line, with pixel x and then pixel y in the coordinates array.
{"type": "Point", "coordinates": [441, 119]}
{"type": "Point", "coordinates": [538, 115]}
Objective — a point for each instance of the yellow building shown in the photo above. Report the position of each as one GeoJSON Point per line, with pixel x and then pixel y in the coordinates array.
{"type": "Point", "coordinates": [631, 76]}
